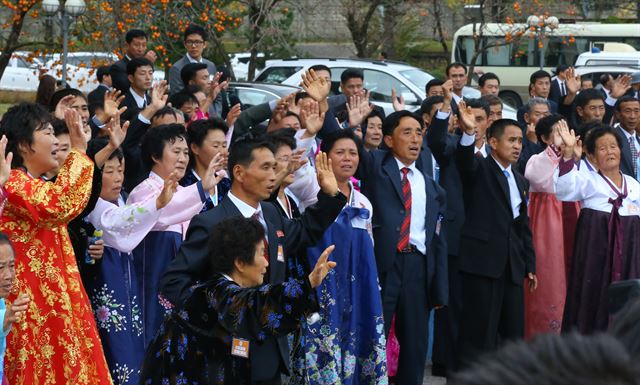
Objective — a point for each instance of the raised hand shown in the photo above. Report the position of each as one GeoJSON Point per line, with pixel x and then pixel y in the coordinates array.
{"type": "Point", "coordinates": [620, 86]}
{"type": "Point", "coordinates": [573, 81]}
{"type": "Point", "coordinates": [77, 136]}
{"type": "Point", "coordinates": [5, 162]}
{"type": "Point", "coordinates": [63, 105]}
{"type": "Point", "coordinates": [531, 133]}
{"type": "Point", "coordinates": [317, 87]}
{"type": "Point", "coordinates": [326, 178]}
{"type": "Point", "coordinates": [356, 113]}
{"type": "Point", "coordinates": [169, 188]}
{"type": "Point", "coordinates": [15, 312]}
{"type": "Point", "coordinates": [568, 139]}
{"type": "Point", "coordinates": [398, 103]}
{"type": "Point", "coordinates": [116, 131]}
{"type": "Point", "coordinates": [577, 149]}
{"type": "Point", "coordinates": [322, 267]}
{"type": "Point", "coordinates": [151, 55]}
{"type": "Point", "coordinates": [311, 117]}
{"type": "Point", "coordinates": [233, 114]}
{"type": "Point", "coordinates": [159, 95]}
{"type": "Point", "coordinates": [216, 86]}
{"type": "Point", "coordinates": [297, 160]}
{"type": "Point", "coordinates": [211, 178]}
{"type": "Point", "coordinates": [466, 119]}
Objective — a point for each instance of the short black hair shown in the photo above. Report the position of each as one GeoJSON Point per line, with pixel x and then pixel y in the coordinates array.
{"type": "Point", "coordinates": [103, 71]}
{"type": "Point", "coordinates": [330, 140]}
{"type": "Point", "coordinates": [585, 96]}
{"type": "Point", "coordinates": [232, 239]}
{"type": "Point", "coordinates": [625, 99]}
{"type": "Point", "coordinates": [198, 130]}
{"type": "Point", "coordinates": [487, 76]}
{"type": "Point", "coordinates": [179, 99]}
{"type": "Point", "coordinates": [242, 152]}
{"type": "Point", "coordinates": [166, 110]}
{"type": "Point", "coordinates": [597, 131]}
{"type": "Point", "coordinates": [59, 126]}
{"type": "Point", "coordinates": [195, 29]}
{"type": "Point", "coordinates": [284, 137]}
{"type": "Point", "coordinates": [19, 124]}
{"type": "Point", "coordinates": [4, 240]}
{"type": "Point", "coordinates": [561, 68]}
{"type": "Point", "coordinates": [95, 145]}
{"type": "Point", "coordinates": [299, 96]}
{"type": "Point", "coordinates": [478, 103]}
{"type": "Point", "coordinates": [351, 73]}
{"type": "Point", "coordinates": [428, 103]}
{"type": "Point", "coordinates": [492, 100]}
{"type": "Point", "coordinates": [156, 138]}
{"type": "Point", "coordinates": [432, 83]}
{"type": "Point", "coordinates": [544, 128]}
{"type": "Point", "coordinates": [133, 34]}
{"type": "Point", "coordinates": [497, 128]}
{"type": "Point", "coordinates": [393, 120]}
{"type": "Point", "coordinates": [456, 64]}
{"type": "Point", "coordinates": [136, 63]}
{"type": "Point", "coordinates": [604, 78]}
{"type": "Point", "coordinates": [320, 67]}
{"type": "Point", "coordinates": [291, 113]}
{"type": "Point", "coordinates": [539, 74]}
{"type": "Point", "coordinates": [189, 71]}
{"type": "Point", "coordinates": [58, 95]}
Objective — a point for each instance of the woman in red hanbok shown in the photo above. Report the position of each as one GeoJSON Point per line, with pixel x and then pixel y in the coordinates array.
{"type": "Point", "coordinates": [57, 341]}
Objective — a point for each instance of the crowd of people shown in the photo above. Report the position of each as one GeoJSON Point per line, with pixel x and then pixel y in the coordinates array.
{"type": "Point", "coordinates": [163, 234]}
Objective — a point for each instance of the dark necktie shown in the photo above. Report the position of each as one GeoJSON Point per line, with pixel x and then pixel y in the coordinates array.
{"type": "Point", "coordinates": [403, 242]}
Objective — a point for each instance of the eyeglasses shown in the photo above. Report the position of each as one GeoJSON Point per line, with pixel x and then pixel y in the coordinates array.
{"type": "Point", "coordinates": [194, 43]}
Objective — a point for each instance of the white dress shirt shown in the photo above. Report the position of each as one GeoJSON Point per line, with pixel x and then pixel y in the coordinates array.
{"type": "Point", "coordinates": [514, 194]}
{"type": "Point", "coordinates": [141, 100]}
{"type": "Point", "coordinates": [417, 235]}
{"type": "Point", "coordinates": [248, 211]}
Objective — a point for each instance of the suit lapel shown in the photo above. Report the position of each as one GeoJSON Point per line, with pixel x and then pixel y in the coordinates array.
{"type": "Point", "coordinates": [425, 163]}
{"type": "Point", "coordinates": [502, 180]}
{"type": "Point", "coordinates": [391, 168]}
{"type": "Point", "coordinates": [627, 158]}
{"type": "Point", "coordinates": [431, 212]}
{"type": "Point", "coordinates": [276, 269]}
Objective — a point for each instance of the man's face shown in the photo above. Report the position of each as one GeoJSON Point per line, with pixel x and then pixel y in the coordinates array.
{"type": "Point", "coordinates": [406, 140]}
{"type": "Point", "coordinates": [482, 122]}
{"type": "Point", "coordinates": [142, 79]}
{"type": "Point", "coordinates": [538, 111]}
{"type": "Point", "coordinates": [137, 48]}
{"type": "Point", "coordinates": [541, 87]}
{"type": "Point", "coordinates": [495, 113]}
{"type": "Point", "coordinates": [458, 77]}
{"type": "Point", "coordinates": [353, 86]}
{"type": "Point", "coordinates": [258, 178]}
{"type": "Point", "coordinates": [426, 119]}
{"type": "Point", "coordinates": [491, 87]}
{"type": "Point", "coordinates": [629, 115]}
{"type": "Point", "coordinates": [586, 84]}
{"type": "Point", "coordinates": [195, 45]}
{"type": "Point", "coordinates": [106, 80]}
{"type": "Point", "coordinates": [506, 149]}
{"type": "Point", "coordinates": [593, 111]}
{"type": "Point", "coordinates": [324, 74]}
{"type": "Point", "coordinates": [435, 91]}
{"type": "Point", "coordinates": [201, 80]}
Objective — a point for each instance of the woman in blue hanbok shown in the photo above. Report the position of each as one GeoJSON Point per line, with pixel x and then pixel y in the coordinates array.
{"type": "Point", "coordinates": [344, 343]}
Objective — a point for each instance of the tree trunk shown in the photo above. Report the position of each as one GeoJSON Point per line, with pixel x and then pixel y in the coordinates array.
{"type": "Point", "coordinates": [389, 22]}
{"type": "Point", "coordinates": [437, 14]}
{"type": "Point", "coordinates": [12, 39]}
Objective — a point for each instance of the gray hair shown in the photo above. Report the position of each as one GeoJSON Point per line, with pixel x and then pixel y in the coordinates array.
{"type": "Point", "coordinates": [535, 101]}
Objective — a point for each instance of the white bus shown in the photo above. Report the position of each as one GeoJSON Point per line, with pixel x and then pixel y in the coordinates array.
{"type": "Point", "coordinates": [515, 61]}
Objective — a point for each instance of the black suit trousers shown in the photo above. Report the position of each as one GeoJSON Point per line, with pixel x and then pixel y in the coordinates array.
{"type": "Point", "coordinates": [404, 294]}
{"type": "Point", "coordinates": [492, 311]}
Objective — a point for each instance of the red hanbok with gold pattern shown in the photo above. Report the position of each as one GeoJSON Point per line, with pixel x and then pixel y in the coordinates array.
{"type": "Point", "coordinates": [57, 341]}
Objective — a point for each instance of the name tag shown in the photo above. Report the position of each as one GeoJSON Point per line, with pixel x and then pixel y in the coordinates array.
{"type": "Point", "coordinates": [240, 348]}
{"type": "Point", "coordinates": [633, 209]}
{"type": "Point", "coordinates": [280, 254]}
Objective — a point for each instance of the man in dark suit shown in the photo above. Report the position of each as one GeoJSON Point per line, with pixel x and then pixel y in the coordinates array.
{"type": "Point", "coordinates": [496, 253]}
{"type": "Point", "coordinates": [539, 86]}
{"type": "Point", "coordinates": [410, 247]}
{"type": "Point", "coordinates": [140, 78]}
{"type": "Point", "coordinates": [95, 99]}
{"type": "Point", "coordinates": [558, 89]}
{"type": "Point", "coordinates": [251, 166]}
{"type": "Point", "coordinates": [135, 46]}
{"type": "Point", "coordinates": [195, 42]}
{"type": "Point", "coordinates": [628, 115]}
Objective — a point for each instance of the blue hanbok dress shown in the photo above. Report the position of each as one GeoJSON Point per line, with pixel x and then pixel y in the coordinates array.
{"type": "Point", "coordinates": [344, 343]}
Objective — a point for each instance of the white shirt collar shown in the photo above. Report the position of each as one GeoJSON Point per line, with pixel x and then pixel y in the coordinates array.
{"type": "Point", "coordinates": [401, 165]}
{"type": "Point", "coordinates": [626, 133]}
{"type": "Point", "coordinates": [140, 100]}
{"type": "Point", "coordinates": [192, 60]}
{"type": "Point", "coordinates": [246, 210]}
{"type": "Point", "coordinates": [507, 169]}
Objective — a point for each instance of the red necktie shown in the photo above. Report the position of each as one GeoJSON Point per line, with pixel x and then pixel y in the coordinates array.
{"type": "Point", "coordinates": [403, 242]}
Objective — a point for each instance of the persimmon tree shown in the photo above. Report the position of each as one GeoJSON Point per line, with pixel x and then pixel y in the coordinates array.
{"type": "Point", "coordinates": [16, 11]}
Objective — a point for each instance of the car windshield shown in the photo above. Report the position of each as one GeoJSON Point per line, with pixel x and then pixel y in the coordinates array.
{"type": "Point", "coordinates": [417, 77]}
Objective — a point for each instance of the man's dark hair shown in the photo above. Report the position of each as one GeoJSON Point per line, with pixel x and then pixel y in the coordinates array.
{"type": "Point", "coordinates": [195, 29]}
{"type": "Point", "coordinates": [59, 126]}
{"type": "Point", "coordinates": [166, 110]}
{"type": "Point", "coordinates": [625, 99]}
{"type": "Point", "coordinates": [544, 128]}
{"type": "Point", "coordinates": [456, 64]}
{"type": "Point", "coordinates": [478, 103]}
{"type": "Point", "coordinates": [492, 100]}
{"type": "Point", "coordinates": [604, 78]}
{"type": "Point", "coordinates": [232, 239]}
{"type": "Point", "coordinates": [102, 72]}
{"type": "Point", "coordinates": [284, 137]}
{"type": "Point", "coordinates": [626, 327]}
{"type": "Point", "coordinates": [330, 140]}
{"type": "Point", "coordinates": [58, 95]}
{"type": "Point", "coordinates": [300, 96]}
{"type": "Point", "coordinates": [561, 68]}
{"type": "Point", "coordinates": [198, 130]}
{"type": "Point", "coordinates": [487, 76]}
{"type": "Point", "coordinates": [432, 83]}
{"type": "Point", "coordinates": [134, 34]}
{"type": "Point", "coordinates": [242, 152]}
{"type": "Point", "coordinates": [585, 96]}
{"type": "Point", "coordinates": [550, 359]}
{"type": "Point", "coordinates": [428, 103]}
{"type": "Point", "coordinates": [497, 128]}
{"type": "Point", "coordinates": [351, 73]}
{"type": "Point", "coordinates": [189, 71]}
{"type": "Point", "coordinates": [393, 120]}
{"type": "Point", "coordinates": [320, 67]}
{"type": "Point", "coordinates": [539, 74]}
{"type": "Point", "coordinates": [136, 63]}
{"type": "Point", "coordinates": [596, 131]}
{"type": "Point", "coordinates": [95, 145]}
{"type": "Point", "coordinates": [156, 139]}
{"type": "Point", "coordinates": [179, 99]}
{"type": "Point", "coordinates": [4, 240]}
{"type": "Point", "coordinates": [19, 124]}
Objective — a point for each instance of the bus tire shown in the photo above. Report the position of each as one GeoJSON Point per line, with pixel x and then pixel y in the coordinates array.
{"type": "Point", "coordinates": [511, 98]}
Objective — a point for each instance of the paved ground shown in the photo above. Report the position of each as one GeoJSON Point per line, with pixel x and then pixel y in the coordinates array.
{"type": "Point", "coordinates": [429, 380]}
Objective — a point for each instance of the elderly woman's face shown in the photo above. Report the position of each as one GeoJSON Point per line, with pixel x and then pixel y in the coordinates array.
{"type": "Point", "coordinates": [253, 275]}
{"type": "Point", "coordinates": [607, 154]}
